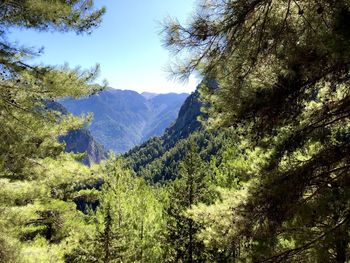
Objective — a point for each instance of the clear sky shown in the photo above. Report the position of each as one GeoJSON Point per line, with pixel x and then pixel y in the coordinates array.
{"type": "Point", "coordinates": [127, 45]}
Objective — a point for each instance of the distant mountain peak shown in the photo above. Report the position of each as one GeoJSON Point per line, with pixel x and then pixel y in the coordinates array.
{"type": "Point", "coordinates": [149, 95]}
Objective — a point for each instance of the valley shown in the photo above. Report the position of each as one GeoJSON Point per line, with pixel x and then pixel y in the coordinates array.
{"type": "Point", "coordinates": [123, 119]}
{"type": "Point", "coordinates": [240, 155]}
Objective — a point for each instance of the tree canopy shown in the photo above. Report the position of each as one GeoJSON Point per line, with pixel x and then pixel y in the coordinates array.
{"type": "Point", "coordinates": [263, 178]}
{"type": "Point", "coordinates": [37, 179]}
{"type": "Point", "coordinates": [283, 73]}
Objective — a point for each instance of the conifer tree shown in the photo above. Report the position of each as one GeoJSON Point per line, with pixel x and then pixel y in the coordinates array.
{"type": "Point", "coordinates": [283, 74]}
{"type": "Point", "coordinates": [191, 187]}
{"type": "Point", "coordinates": [37, 180]}
{"type": "Point", "coordinates": [127, 225]}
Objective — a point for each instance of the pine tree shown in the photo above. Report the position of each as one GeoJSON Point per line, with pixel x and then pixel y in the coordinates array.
{"type": "Point", "coordinates": [283, 74]}
{"type": "Point", "coordinates": [190, 188]}
{"type": "Point", "coordinates": [37, 180]}
{"type": "Point", "coordinates": [128, 223]}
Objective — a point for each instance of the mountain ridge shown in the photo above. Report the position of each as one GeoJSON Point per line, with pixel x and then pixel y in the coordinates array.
{"type": "Point", "coordinates": [185, 124]}
{"type": "Point", "coordinates": [124, 118]}
{"type": "Point", "coordinates": [158, 158]}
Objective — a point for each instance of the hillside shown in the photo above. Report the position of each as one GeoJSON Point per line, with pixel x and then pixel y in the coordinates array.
{"type": "Point", "coordinates": [123, 118]}
{"type": "Point", "coordinates": [81, 141]}
{"type": "Point", "coordinates": [185, 124]}
{"type": "Point", "coordinates": [157, 159]}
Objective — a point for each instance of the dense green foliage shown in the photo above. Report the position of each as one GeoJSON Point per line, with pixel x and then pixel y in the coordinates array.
{"type": "Point", "coordinates": [127, 224]}
{"type": "Point", "coordinates": [283, 72]}
{"type": "Point", "coordinates": [191, 187]}
{"type": "Point", "coordinates": [37, 179]}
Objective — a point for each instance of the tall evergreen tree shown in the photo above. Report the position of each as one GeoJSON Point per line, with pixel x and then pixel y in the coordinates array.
{"type": "Point", "coordinates": [283, 73]}
{"type": "Point", "coordinates": [36, 178]}
{"type": "Point", "coordinates": [191, 187]}
{"type": "Point", "coordinates": [128, 223]}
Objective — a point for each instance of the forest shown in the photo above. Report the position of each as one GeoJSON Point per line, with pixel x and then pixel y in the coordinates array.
{"type": "Point", "coordinates": [255, 169]}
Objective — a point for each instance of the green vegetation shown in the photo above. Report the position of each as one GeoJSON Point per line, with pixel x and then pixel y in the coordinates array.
{"type": "Point", "coordinates": [264, 177]}
{"type": "Point", "coordinates": [127, 224]}
{"type": "Point", "coordinates": [282, 69]}
{"type": "Point", "coordinates": [38, 181]}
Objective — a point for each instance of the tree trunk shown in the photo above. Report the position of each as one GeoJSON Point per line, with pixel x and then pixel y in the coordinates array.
{"type": "Point", "coordinates": [108, 222]}
{"type": "Point", "coordinates": [340, 248]}
{"type": "Point", "coordinates": [190, 246]}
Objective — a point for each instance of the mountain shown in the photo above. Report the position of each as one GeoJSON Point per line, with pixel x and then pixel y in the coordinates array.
{"type": "Point", "coordinates": [154, 158]}
{"type": "Point", "coordinates": [165, 110]}
{"type": "Point", "coordinates": [80, 141]}
{"type": "Point", "coordinates": [158, 158]}
{"type": "Point", "coordinates": [148, 95]}
{"type": "Point", "coordinates": [124, 118]}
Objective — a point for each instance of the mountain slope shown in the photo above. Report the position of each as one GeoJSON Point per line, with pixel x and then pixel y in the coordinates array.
{"type": "Point", "coordinates": [157, 153]}
{"type": "Point", "coordinates": [165, 110]}
{"type": "Point", "coordinates": [185, 124]}
{"type": "Point", "coordinates": [81, 141]}
{"type": "Point", "coordinates": [123, 118]}
{"type": "Point", "coordinates": [148, 95]}
{"type": "Point", "coordinates": [158, 158]}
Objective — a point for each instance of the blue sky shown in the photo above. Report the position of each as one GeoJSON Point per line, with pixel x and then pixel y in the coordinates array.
{"type": "Point", "coordinates": [127, 45]}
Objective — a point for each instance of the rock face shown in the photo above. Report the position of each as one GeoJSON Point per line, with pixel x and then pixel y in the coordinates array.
{"type": "Point", "coordinates": [80, 141]}
{"type": "Point", "coordinates": [123, 118]}
{"type": "Point", "coordinates": [187, 121]}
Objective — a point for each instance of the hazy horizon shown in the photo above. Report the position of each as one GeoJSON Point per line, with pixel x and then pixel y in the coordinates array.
{"type": "Point", "coordinates": [157, 93]}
